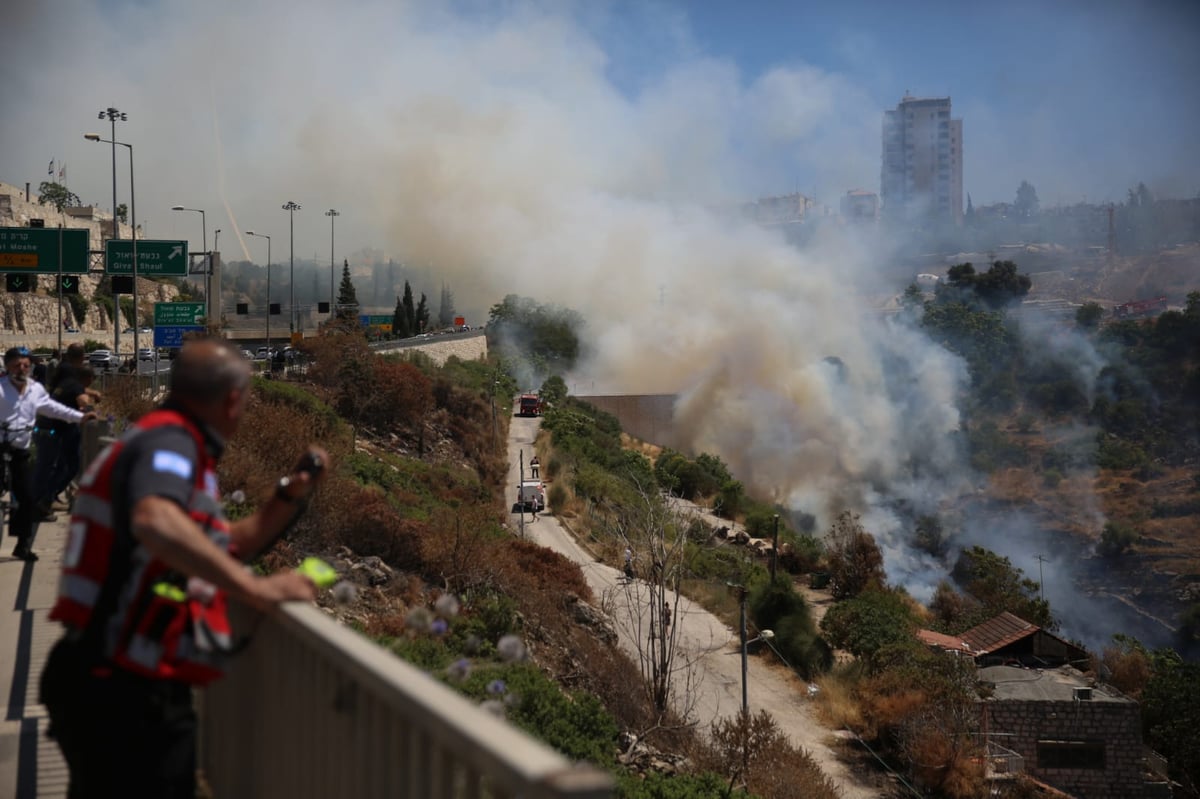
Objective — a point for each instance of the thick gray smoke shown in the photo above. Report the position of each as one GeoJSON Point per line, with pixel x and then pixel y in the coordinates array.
{"type": "Point", "coordinates": [496, 151]}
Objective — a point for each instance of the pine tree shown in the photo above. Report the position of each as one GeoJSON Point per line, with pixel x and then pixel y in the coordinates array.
{"type": "Point", "coordinates": [421, 318]}
{"type": "Point", "coordinates": [410, 313]}
{"type": "Point", "coordinates": [399, 323]}
{"type": "Point", "coordinates": [446, 310]}
{"type": "Point", "coordinates": [347, 299]}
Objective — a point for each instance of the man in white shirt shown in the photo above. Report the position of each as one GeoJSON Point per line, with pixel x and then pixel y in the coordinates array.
{"type": "Point", "coordinates": [21, 400]}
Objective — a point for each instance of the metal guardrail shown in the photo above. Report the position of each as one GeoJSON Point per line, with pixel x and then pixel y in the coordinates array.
{"type": "Point", "coordinates": [313, 709]}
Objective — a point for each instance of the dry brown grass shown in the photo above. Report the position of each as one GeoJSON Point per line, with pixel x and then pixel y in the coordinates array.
{"type": "Point", "coordinates": [835, 702]}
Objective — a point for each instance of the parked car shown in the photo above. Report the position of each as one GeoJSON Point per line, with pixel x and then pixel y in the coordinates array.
{"type": "Point", "coordinates": [104, 359]}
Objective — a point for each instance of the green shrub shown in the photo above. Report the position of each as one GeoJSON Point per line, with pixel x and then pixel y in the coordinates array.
{"type": "Point", "coordinates": [801, 647]}
{"type": "Point", "coordinates": [656, 785]}
{"type": "Point", "coordinates": [1161, 509]}
{"type": "Point", "coordinates": [1116, 539]}
{"type": "Point", "coordinates": [487, 618]}
{"type": "Point", "coordinates": [865, 624]}
{"type": "Point", "coordinates": [1051, 478]}
{"type": "Point", "coordinates": [760, 522]}
{"type": "Point", "coordinates": [730, 499]}
{"type": "Point", "coordinates": [728, 564]}
{"type": "Point", "coordinates": [1117, 453]}
{"type": "Point", "coordinates": [577, 725]}
{"type": "Point", "coordinates": [771, 601]}
{"type": "Point", "coordinates": [285, 393]}
{"type": "Point", "coordinates": [804, 556]}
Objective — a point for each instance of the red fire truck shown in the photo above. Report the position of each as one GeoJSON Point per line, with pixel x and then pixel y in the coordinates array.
{"type": "Point", "coordinates": [530, 405]}
{"type": "Point", "coordinates": [1131, 310]}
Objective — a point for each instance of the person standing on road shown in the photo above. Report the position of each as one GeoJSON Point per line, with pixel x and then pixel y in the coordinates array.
{"type": "Point", "coordinates": [150, 565]}
{"type": "Point", "coordinates": [534, 464]}
{"type": "Point", "coordinates": [21, 400]}
{"type": "Point", "coordinates": [628, 564]}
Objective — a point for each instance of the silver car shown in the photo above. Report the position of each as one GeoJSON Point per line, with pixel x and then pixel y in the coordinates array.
{"type": "Point", "coordinates": [102, 360]}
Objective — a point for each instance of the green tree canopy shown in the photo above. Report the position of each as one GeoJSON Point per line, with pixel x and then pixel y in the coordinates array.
{"type": "Point", "coordinates": [999, 586]}
{"type": "Point", "coordinates": [544, 336]}
{"type": "Point", "coordinates": [855, 561]}
{"type": "Point", "coordinates": [1089, 315]}
{"type": "Point", "coordinates": [1027, 200]}
{"type": "Point", "coordinates": [58, 195]}
{"type": "Point", "coordinates": [865, 624]}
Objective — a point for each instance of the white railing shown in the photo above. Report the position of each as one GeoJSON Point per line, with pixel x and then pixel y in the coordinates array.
{"type": "Point", "coordinates": [313, 709]}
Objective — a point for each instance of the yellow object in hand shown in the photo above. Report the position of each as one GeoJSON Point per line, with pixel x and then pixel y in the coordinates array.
{"type": "Point", "coordinates": [317, 570]}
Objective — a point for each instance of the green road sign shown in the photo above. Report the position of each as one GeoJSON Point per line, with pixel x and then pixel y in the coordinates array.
{"type": "Point", "coordinates": [35, 250]}
{"type": "Point", "coordinates": [154, 257]}
{"type": "Point", "coordinates": [178, 313]}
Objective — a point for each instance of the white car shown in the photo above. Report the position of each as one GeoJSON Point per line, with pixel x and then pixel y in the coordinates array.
{"type": "Point", "coordinates": [147, 354]}
{"type": "Point", "coordinates": [104, 359]}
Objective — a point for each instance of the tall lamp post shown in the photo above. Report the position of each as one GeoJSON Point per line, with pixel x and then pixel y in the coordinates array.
{"type": "Point", "coordinates": [207, 263]}
{"type": "Point", "coordinates": [112, 115]}
{"type": "Point", "coordinates": [132, 216]}
{"type": "Point", "coordinates": [291, 208]}
{"type": "Point", "coordinates": [332, 214]}
{"type": "Point", "coordinates": [268, 238]}
{"type": "Point", "coordinates": [216, 249]}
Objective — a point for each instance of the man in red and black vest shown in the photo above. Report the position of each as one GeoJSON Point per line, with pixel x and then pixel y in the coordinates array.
{"type": "Point", "coordinates": [149, 567]}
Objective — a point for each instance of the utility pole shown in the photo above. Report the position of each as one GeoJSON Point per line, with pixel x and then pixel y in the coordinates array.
{"type": "Point", "coordinates": [1041, 582]}
{"type": "Point", "coordinates": [520, 488]}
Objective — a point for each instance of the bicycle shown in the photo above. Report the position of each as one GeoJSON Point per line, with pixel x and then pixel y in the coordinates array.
{"type": "Point", "coordinates": [7, 500]}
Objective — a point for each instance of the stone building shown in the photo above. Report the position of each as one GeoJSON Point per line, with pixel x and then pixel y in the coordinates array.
{"type": "Point", "coordinates": [1078, 737]}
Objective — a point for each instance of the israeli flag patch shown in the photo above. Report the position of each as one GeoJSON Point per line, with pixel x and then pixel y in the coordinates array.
{"type": "Point", "coordinates": [173, 463]}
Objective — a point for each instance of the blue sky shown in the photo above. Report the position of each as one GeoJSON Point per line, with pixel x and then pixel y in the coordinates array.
{"type": "Point", "coordinates": [237, 107]}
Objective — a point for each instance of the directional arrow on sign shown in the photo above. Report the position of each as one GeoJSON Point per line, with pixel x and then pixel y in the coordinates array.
{"type": "Point", "coordinates": [175, 251]}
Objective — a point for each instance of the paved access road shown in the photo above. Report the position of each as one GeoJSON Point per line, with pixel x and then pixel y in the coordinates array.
{"type": "Point", "coordinates": [711, 685]}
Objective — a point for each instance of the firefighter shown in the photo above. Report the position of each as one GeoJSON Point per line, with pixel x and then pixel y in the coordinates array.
{"type": "Point", "coordinates": [148, 569]}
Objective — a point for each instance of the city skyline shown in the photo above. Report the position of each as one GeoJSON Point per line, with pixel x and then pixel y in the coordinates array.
{"type": "Point", "coordinates": [693, 103]}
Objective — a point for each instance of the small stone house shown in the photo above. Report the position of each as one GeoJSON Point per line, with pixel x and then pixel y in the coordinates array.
{"type": "Point", "coordinates": [1081, 738]}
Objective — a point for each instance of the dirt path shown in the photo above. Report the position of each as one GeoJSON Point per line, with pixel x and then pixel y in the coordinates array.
{"type": "Point", "coordinates": [709, 647]}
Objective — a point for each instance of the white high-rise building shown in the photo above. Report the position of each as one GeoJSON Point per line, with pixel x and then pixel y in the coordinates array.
{"type": "Point", "coordinates": [922, 176]}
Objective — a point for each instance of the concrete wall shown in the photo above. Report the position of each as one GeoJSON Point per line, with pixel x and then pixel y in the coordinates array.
{"type": "Point", "coordinates": [463, 346]}
{"type": "Point", "coordinates": [1020, 725]}
{"type": "Point", "coordinates": [650, 417]}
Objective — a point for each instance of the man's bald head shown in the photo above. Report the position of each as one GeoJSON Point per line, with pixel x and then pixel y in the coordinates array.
{"type": "Point", "coordinates": [205, 372]}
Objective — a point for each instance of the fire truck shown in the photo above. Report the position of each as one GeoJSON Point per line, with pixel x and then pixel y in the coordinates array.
{"type": "Point", "coordinates": [530, 405]}
{"type": "Point", "coordinates": [1136, 308]}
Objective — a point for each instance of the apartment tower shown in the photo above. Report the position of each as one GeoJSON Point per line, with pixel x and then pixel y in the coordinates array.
{"type": "Point", "coordinates": [922, 177]}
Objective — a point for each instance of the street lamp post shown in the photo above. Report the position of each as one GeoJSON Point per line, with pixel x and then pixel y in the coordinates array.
{"type": "Point", "coordinates": [133, 230]}
{"type": "Point", "coordinates": [268, 238]}
{"type": "Point", "coordinates": [332, 214]}
{"type": "Point", "coordinates": [112, 115]}
{"type": "Point", "coordinates": [291, 208]}
{"type": "Point", "coordinates": [207, 262]}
